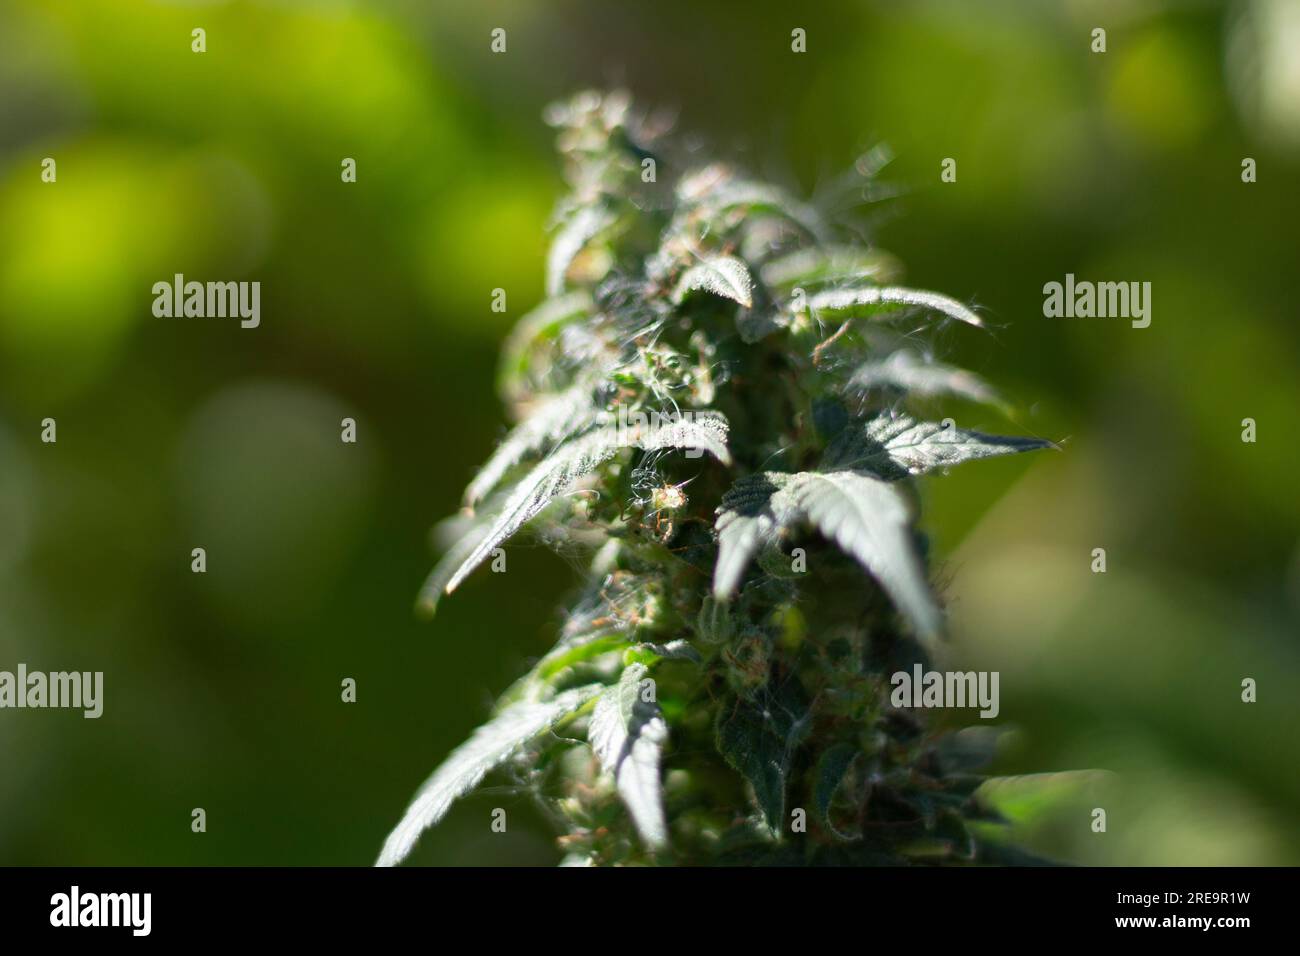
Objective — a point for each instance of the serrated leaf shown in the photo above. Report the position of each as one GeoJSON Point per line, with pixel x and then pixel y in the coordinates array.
{"type": "Point", "coordinates": [698, 432]}
{"type": "Point", "coordinates": [560, 417]}
{"type": "Point", "coordinates": [875, 299]}
{"type": "Point", "coordinates": [865, 516]}
{"type": "Point", "coordinates": [555, 475]}
{"type": "Point", "coordinates": [490, 746]}
{"type": "Point", "coordinates": [758, 739]}
{"type": "Point", "coordinates": [894, 446]}
{"type": "Point", "coordinates": [832, 767]}
{"type": "Point", "coordinates": [726, 276]}
{"type": "Point", "coordinates": [906, 371]}
{"type": "Point", "coordinates": [871, 520]}
{"type": "Point", "coordinates": [745, 524]}
{"type": "Point", "coordinates": [574, 460]}
{"type": "Point", "coordinates": [628, 733]}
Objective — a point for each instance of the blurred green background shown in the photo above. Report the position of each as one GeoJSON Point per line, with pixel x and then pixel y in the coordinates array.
{"type": "Point", "coordinates": [223, 690]}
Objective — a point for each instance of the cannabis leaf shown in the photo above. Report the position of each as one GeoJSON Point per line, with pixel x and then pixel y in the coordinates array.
{"type": "Point", "coordinates": [832, 767]}
{"type": "Point", "coordinates": [828, 264]}
{"type": "Point", "coordinates": [627, 733]}
{"type": "Point", "coordinates": [898, 446]}
{"type": "Point", "coordinates": [723, 275]}
{"type": "Point", "coordinates": [583, 226]}
{"type": "Point", "coordinates": [490, 746]}
{"type": "Point", "coordinates": [758, 738]}
{"type": "Point", "coordinates": [543, 323]}
{"type": "Point", "coordinates": [869, 300]}
{"type": "Point", "coordinates": [565, 415]}
{"type": "Point", "coordinates": [870, 520]}
{"type": "Point", "coordinates": [906, 371]}
{"type": "Point", "coordinates": [746, 522]}
{"type": "Point", "coordinates": [568, 464]}
{"type": "Point", "coordinates": [867, 517]}
{"type": "Point", "coordinates": [472, 534]}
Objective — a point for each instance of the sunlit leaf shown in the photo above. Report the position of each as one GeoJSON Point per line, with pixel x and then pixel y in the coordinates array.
{"type": "Point", "coordinates": [489, 747]}
{"type": "Point", "coordinates": [628, 733]}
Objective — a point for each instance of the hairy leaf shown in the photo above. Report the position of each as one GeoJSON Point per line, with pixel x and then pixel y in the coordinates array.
{"type": "Point", "coordinates": [745, 524]}
{"type": "Point", "coordinates": [702, 431]}
{"type": "Point", "coordinates": [870, 519]}
{"type": "Point", "coordinates": [448, 564]}
{"type": "Point", "coordinates": [867, 517]}
{"type": "Point", "coordinates": [723, 275]}
{"type": "Point", "coordinates": [896, 446]}
{"type": "Point", "coordinates": [628, 734]}
{"type": "Point", "coordinates": [868, 300]}
{"type": "Point", "coordinates": [489, 747]}
{"type": "Point", "coordinates": [555, 475]}
{"type": "Point", "coordinates": [566, 414]}
{"type": "Point", "coordinates": [905, 371]}
{"type": "Point", "coordinates": [571, 462]}
{"type": "Point", "coordinates": [579, 229]}
{"type": "Point", "coordinates": [817, 264]}
{"type": "Point", "coordinates": [832, 767]}
{"type": "Point", "coordinates": [758, 738]}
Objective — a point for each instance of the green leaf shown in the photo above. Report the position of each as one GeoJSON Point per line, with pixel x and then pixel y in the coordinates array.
{"type": "Point", "coordinates": [542, 323]}
{"type": "Point", "coordinates": [869, 300]}
{"type": "Point", "coordinates": [573, 461]}
{"type": "Point", "coordinates": [559, 417]}
{"type": "Point", "coordinates": [758, 739]}
{"type": "Point", "coordinates": [895, 446]}
{"type": "Point", "coordinates": [745, 524]}
{"type": "Point", "coordinates": [723, 275]}
{"type": "Point", "coordinates": [449, 563]}
{"type": "Point", "coordinates": [696, 433]}
{"type": "Point", "coordinates": [1031, 797]}
{"type": "Point", "coordinates": [906, 371]}
{"type": "Point", "coordinates": [871, 520]}
{"type": "Point", "coordinates": [579, 229]}
{"type": "Point", "coordinates": [817, 264]}
{"type": "Point", "coordinates": [831, 769]}
{"type": "Point", "coordinates": [555, 475]}
{"type": "Point", "coordinates": [866, 517]}
{"type": "Point", "coordinates": [628, 733]}
{"type": "Point", "coordinates": [490, 746]}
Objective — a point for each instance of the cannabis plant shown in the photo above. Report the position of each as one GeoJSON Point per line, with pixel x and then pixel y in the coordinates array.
{"type": "Point", "coordinates": [715, 417]}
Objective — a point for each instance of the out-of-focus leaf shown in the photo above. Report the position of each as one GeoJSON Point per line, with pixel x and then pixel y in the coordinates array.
{"type": "Point", "coordinates": [907, 372]}
{"type": "Point", "coordinates": [831, 769]}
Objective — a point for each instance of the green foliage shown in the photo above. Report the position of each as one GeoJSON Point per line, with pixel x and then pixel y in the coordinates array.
{"type": "Point", "coordinates": [720, 684]}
